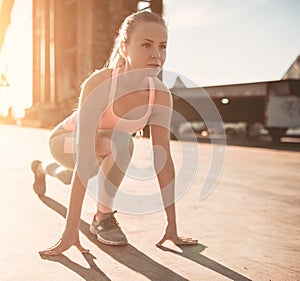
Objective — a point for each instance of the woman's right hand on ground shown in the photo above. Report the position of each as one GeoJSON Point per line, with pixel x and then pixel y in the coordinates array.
{"type": "Point", "coordinates": [64, 244]}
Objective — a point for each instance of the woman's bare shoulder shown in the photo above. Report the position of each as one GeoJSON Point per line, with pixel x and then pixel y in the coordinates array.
{"type": "Point", "coordinates": [97, 78]}
{"type": "Point", "coordinates": [162, 93]}
{"type": "Point", "coordinates": [160, 86]}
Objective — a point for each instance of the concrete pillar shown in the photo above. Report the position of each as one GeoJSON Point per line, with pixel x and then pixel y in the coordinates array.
{"type": "Point", "coordinates": [84, 39]}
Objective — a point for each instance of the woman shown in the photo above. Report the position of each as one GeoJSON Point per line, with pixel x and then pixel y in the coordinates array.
{"type": "Point", "coordinates": [141, 47]}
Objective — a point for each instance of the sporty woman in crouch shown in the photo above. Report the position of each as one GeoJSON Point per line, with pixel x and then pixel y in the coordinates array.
{"type": "Point", "coordinates": [138, 55]}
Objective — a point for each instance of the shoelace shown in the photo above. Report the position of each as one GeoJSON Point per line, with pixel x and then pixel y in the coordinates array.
{"type": "Point", "coordinates": [111, 222]}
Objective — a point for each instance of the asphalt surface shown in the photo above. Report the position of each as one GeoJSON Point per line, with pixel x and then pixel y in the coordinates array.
{"type": "Point", "coordinates": [248, 227]}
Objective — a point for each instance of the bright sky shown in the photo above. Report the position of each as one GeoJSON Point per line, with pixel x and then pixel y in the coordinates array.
{"type": "Point", "coordinates": [215, 42]}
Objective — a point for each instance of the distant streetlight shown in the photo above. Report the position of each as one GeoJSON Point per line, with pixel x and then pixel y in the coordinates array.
{"type": "Point", "coordinates": [224, 100]}
{"type": "Point", "coordinates": [3, 81]}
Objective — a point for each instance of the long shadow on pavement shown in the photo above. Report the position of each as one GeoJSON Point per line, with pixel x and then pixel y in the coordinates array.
{"type": "Point", "coordinates": [127, 255]}
{"type": "Point", "coordinates": [193, 253]}
{"type": "Point", "coordinates": [133, 258]}
{"type": "Point", "coordinates": [89, 274]}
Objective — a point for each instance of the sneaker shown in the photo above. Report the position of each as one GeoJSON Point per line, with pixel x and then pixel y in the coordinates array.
{"type": "Point", "coordinates": [108, 230]}
{"type": "Point", "coordinates": [39, 185]}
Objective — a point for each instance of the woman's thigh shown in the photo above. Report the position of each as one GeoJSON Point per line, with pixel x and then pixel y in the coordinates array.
{"type": "Point", "coordinates": [107, 141]}
{"type": "Point", "coordinates": [61, 152]}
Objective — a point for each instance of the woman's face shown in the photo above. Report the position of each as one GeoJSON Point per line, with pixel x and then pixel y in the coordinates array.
{"type": "Point", "coordinates": [146, 47]}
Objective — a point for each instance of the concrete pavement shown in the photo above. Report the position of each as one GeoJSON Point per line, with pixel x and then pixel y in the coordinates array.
{"type": "Point", "coordinates": [248, 228]}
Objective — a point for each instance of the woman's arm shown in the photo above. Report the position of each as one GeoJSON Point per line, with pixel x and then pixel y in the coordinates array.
{"type": "Point", "coordinates": [164, 167]}
{"type": "Point", "coordinates": [70, 235]}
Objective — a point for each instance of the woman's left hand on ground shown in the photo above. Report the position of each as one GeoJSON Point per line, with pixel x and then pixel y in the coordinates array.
{"type": "Point", "coordinates": [179, 241]}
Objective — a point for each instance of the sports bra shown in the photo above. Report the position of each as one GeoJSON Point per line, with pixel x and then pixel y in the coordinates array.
{"type": "Point", "coordinates": [109, 120]}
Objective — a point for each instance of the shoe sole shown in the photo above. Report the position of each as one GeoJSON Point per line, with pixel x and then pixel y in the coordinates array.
{"type": "Point", "coordinates": [107, 242]}
{"type": "Point", "coordinates": [39, 191]}
{"type": "Point", "coordinates": [39, 186]}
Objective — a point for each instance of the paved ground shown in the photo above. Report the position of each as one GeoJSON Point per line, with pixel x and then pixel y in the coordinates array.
{"type": "Point", "coordinates": [248, 228]}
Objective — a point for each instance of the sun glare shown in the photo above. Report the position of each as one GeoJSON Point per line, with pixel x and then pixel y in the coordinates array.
{"type": "Point", "coordinates": [16, 61]}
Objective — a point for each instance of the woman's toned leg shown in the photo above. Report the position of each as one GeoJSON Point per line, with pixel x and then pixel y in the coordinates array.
{"type": "Point", "coordinates": [113, 165]}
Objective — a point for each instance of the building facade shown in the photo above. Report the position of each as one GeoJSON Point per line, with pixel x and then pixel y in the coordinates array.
{"type": "Point", "coordinates": [72, 38]}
